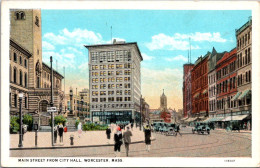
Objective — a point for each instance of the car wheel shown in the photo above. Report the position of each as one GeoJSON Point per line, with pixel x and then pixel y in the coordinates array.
{"type": "Point", "coordinates": [208, 132]}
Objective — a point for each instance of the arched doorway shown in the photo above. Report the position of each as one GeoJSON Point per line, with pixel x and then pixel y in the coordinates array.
{"type": "Point", "coordinates": [44, 115]}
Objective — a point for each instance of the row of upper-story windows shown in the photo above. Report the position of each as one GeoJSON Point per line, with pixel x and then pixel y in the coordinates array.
{"type": "Point", "coordinates": [111, 99]}
{"type": "Point", "coordinates": [111, 56]}
{"type": "Point", "coordinates": [244, 59]}
{"type": "Point", "coordinates": [111, 73]}
{"type": "Point", "coordinates": [117, 92]}
{"type": "Point", "coordinates": [243, 41]}
{"type": "Point", "coordinates": [18, 59]}
{"type": "Point", "coordinates": [244, 78]}
{"type": "Point", "coordinates": [112, 79]}
{"type": "Point", "coordinates": [226, 70]}
{"type": "Point", "coordinates": [111, 66]}
{"type": "Point", "coordinates": [212, 78]}
{"type": "Point", "coordinates": [18, 76]}
{"type": "Point", "coordinates": [226, 85]}
{"type": "Point", "coordinates": [111, 106]}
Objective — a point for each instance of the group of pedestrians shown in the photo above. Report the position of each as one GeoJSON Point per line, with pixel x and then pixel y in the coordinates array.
{"type": "Point", "coordinates": [125, 138]}
{"type": "Point", "coordinates": [58, 130]}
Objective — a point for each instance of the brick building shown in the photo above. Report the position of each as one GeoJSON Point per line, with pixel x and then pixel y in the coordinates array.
{"type": "Point", "coordinates": [226, 84]}
{"type": "Point", "coordinates": [186, 90]}
{"type": "Point", "coordinates": [199, 77]}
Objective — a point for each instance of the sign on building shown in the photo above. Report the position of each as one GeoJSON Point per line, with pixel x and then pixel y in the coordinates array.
{"type": "Point", "coordinates": [51, 109]}
{"type": "Point", "coordinates": [95, 119]}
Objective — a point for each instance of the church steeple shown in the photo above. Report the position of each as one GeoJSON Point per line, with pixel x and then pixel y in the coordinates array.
{"type": "Point", "coordinates": [163, 101]}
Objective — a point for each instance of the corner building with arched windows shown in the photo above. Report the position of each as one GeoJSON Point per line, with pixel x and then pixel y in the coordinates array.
{"type": "Point", "coordinates": [28, 74]}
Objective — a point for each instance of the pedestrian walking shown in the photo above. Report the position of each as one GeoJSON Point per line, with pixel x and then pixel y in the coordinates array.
{"type": "Point", "coordinates": [178, 130]}
{"type": "Point", "coordinates": [147, 135]}
{"type": "Point", "coordinates": [60, 130]}
{"type": "Point", "coordinates": [108, 132]}
{"type": "Point", "coordinates": [127, 139]}
{"type": "Point", "coordinates": [79, 129]}
{"type": "Point", "coordinates": [118, 141]}
{"type": "Point", "coordinates": [55, 134]}
{"type": "Point", "coordinates": [132, 125]}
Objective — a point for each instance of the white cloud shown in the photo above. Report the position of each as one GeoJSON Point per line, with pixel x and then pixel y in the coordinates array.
{"type": "Point", "coordinates": [162, 41]}
{"type": "Point", "coordinates": [47, 46]}
{"type": "Point", "coordinates": [177, 58]}
{"type": "Point", "coordinates": [147, 57]}
{"type": "Point", "coordinates": [181, 41]}
{"type": "Point", "coordinates": [76, 37]}
{"type": "Point", "coordinates": [83, 67]}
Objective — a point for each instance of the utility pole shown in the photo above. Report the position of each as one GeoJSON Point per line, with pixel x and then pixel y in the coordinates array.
{"type": "Point", "coordinates": [140, 113]}
{"type": "Point", "coordinates": [52, 114]}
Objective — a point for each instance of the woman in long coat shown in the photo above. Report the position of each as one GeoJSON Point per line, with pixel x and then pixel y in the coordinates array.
{"type": "Point", "coordinates": [118, 141]}
{"type": "Point", "coordinates": [147, 135]}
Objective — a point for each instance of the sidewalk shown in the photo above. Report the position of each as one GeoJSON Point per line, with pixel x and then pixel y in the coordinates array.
{"type": "Point", "coordinates": [87, 138]}
{"type": "Point", "coordinates": [242, 131]}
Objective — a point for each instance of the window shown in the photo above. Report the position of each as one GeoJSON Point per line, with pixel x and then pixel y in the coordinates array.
{"type": "Point", "coordinates": [15, 57]}
{"type": "Point", "coordinates": [21, 78]}
{"type": "Point", "coordinates": [110, 56]}
{"type": "Point", "coordinates": [37, 21]}
{"type": "Point", "coordinates": [15, 100]}
{"type": "Point", "coordinates": [25, 102]}
{"type": "Point", "coordinates": [14, 75]}
{"type": "Point", "coordinates": [103, 56]}
{"type": "Point", "coordinates": [248, 55]}
{"type": "Point", "coordinates": [249, 76]}
{"type": "Point", "coordinates": [20, 15]}
{"type": "Point", "coordinates": [94, 56]}
{"type": "Point", "coordinates": [38, 82]}
{"type": "Point", "coordinates": [25, 63]}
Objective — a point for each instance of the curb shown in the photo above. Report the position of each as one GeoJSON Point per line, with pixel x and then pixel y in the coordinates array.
{"type": "Point", "coordinates": [67, 147]}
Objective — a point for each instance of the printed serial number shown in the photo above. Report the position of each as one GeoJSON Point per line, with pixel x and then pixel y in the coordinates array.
{"type": "Point", "coordinates": [117, 160]}
{"type": "Point", "coordinates": [229, 160]}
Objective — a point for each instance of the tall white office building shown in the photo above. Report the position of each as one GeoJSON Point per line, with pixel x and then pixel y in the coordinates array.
{"type": "Point", "coordinates": [114, 82]}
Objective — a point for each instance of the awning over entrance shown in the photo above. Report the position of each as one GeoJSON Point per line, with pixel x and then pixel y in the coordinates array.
{"type": "Point", "coordinates": [235, 118]}
{"type": "Point", "coordinates": [190, 119]}
{"type": "Point", "coordinates": [205, 91]}
{"type": "Point", "coordinates": [245, 93]}
{"type": "Point", "coordinates": [236, 96]}
{"type": "Point", "coordinates": [196, 95]}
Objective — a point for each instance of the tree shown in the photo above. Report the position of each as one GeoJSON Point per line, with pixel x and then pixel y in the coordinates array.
{"type": "Point", "coordinates": [28, 120]}
{"type": "Point", "coordinates": [165, 116]}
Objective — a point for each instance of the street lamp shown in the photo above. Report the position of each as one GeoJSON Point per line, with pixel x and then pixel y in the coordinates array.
{"type": "Point", "coordinates": [21, 121]}
{"type": "Point", "coordinates": [82, 107]}
{"type": "Point", "coordinates": [101, 113]}
{"type": "Point", "coordinates": [71, 94]}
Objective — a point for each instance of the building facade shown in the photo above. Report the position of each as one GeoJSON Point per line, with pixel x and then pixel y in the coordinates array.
{"type": "Point", "coordinates": [212, 88]}
{"type": "Point", "coordinates": [244, 69]}
{"type": "Point", "coordinates": [26, 44]}
{"type": "Point", "coordinates": [77, 104]}
{"type": "Point", "coordinates": [114, 82]}
{"type": "Point", "coordinates": [199, 77]}
{"type": "Point", "coordinates": [226, 84]}
{"type": "Point", "coordinates": [186, 90]}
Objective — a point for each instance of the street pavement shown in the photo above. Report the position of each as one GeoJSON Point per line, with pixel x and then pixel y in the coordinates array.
{"type": "Point", "coordinates": [219, 143]}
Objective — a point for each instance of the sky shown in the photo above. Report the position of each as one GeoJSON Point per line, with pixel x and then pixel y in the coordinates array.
{"type": "Point", "coordinates": [162, 36]}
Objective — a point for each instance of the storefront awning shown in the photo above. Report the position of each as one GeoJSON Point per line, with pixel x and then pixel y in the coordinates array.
{"type": "Point", "coordinates": [217, 118]}
{"type": "Point", "coordinates": [245, 93]}
{"type": "Point", "coordinates": [235, 118]}
{"type": "Point", "coordinates": [196, 95]}
{"type": "Point", "coordinates": [205, 91]}
{"type": "Point", "coordinates": [190, 119]}
{"type": "Point", "coordinates": [236, 96]}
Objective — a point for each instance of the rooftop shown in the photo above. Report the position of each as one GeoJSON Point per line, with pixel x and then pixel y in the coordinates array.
{"type": "Point", "coordinates": [119, 43]}
{"type": "Point", "coordinates": [242, 28]}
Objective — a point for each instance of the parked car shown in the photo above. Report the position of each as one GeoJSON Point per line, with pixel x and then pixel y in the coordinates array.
{"type": "Point", "coordinates": [201, 128]}
{"type": "Point", "coordinates": [171, 129]}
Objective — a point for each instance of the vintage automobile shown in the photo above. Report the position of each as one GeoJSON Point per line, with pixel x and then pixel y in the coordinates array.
{"type": "Point", "coordinates": [171, 129]}
{"type": "Point", "coordinates": [157, 126]}
{"type": "Point", "coordinates": [201, 128]}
